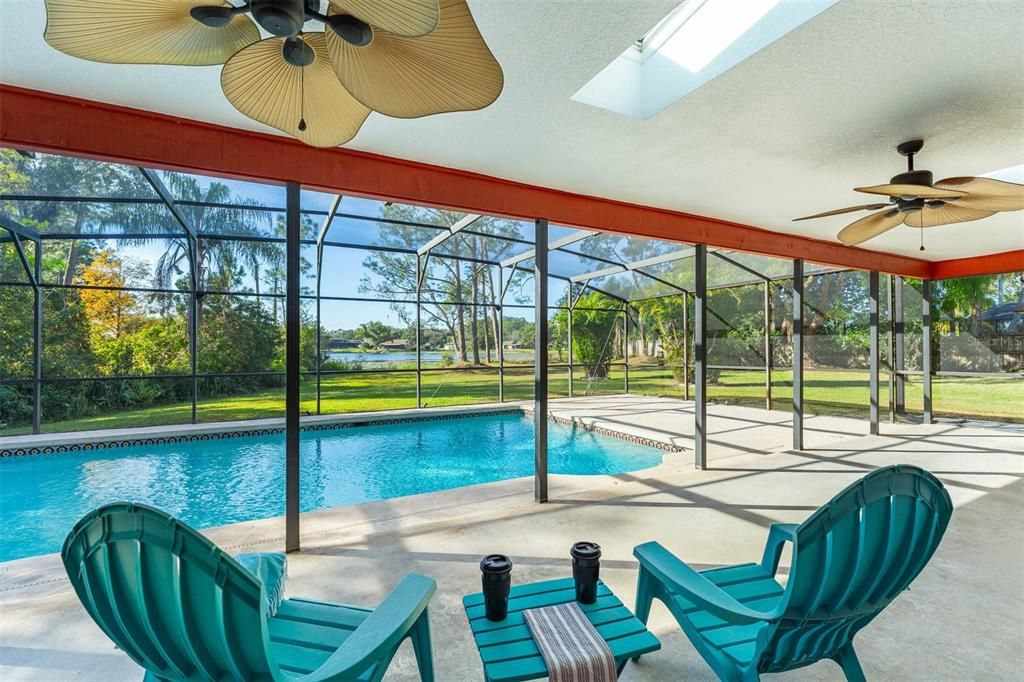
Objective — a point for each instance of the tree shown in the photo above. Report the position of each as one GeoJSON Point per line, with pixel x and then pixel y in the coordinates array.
{"type": "Point", "coordinates": [110, 308]}
{"type": "Point", "coordinates": [238, 335]}
{"type": "Point", "coordinates": [160, 346]}
{"type": "Point", "coordinates": [13, 178]}
{"type": "Point", "coordinates": [520, 331]}
{"type": "Point", "coordinates": [373, 334]}
{"type": "Point", "coordinates": [458, 294]}
{"type": "Point", "coordinates": [113, 313]}
{"type": "Point", "coordinates": [213, 210]}
{"type": "Point", "coordinates": [101, 328]}
{"type": "Point", "coordinates": [72, 177]}
{"type": "Point", "coordinates": [594, 332]}
{"type": "Point", "coordinates": [665, 314]}
{"type": "Point", "coordinates": [962, 301]}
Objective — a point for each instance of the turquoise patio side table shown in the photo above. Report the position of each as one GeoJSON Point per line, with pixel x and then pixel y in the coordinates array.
{"type": "Point", "coordinates": [509, 653]}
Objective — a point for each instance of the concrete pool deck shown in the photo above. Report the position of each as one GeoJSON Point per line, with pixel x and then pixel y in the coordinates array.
{"type": "Point", "coordinates": [961, 620]}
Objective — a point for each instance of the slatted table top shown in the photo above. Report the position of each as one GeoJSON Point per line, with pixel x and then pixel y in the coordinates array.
{"type": "Point", "coordinates": [509, 653]}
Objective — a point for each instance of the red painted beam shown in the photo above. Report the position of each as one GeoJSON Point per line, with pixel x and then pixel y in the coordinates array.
{"type": "Point", "coordinates": [992, 264]}
{"type": "Point", "coordinates": [40, 121]}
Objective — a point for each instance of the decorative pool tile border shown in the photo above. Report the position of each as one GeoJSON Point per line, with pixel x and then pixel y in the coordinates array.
{"type": "Point", "coordinates": [326, 426]}
{"type": "Point", "coordinates": [242, 433]}
{"type": "Point", "coordinates": [639, 440]}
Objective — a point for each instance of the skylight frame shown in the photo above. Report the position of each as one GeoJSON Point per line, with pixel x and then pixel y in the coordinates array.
{"type": "Point", "coordinates": [651, 75]}
{"type": "Point", "coordinates": [652, 41]}
{"type": "Point", "coordinates": [719, 24]}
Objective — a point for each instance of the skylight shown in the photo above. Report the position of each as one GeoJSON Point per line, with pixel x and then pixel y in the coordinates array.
{"type": "Point", "coordinates": [696, 42]}
{"type": "Point", "coordinates": [1011, 174]}
{"type": "Point", "coordinates": [693, 38]}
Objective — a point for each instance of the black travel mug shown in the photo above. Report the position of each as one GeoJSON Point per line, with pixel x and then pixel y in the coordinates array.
{"type": "Point", "coordinates": [586, 565]}
{"type": "Point", "coordinates": [496, 575]}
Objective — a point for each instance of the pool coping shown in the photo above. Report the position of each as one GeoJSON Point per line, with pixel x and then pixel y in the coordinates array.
{"type": "Point", "coordinates": [102, 439]}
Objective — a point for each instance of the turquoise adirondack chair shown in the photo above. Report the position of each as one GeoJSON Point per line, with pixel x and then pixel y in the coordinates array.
{"type": "Point", "coordinates": [850, 559]}
{"type": "Point", "coordinates": [184, 610]}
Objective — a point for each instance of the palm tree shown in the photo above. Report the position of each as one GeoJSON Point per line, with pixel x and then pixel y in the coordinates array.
{"type": "Point", "coordinates": [212, 212]}
{"type": "Point", "coordinates": [965, 299]}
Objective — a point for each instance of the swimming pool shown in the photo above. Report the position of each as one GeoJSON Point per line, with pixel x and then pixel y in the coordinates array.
{"type": "Point", "coordinates": [211, 483]}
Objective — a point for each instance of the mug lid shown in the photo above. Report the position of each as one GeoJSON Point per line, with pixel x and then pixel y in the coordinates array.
{"type": "Point", "coordinates": [495, 563]}
{"type": "Point", "coordinates": [586, 550]}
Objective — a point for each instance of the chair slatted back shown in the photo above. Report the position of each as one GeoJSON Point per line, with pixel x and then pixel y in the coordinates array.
{"type": "Point", "coordinates": [171, 599]}
{"type": "Point", "coordinates": [853, 556]}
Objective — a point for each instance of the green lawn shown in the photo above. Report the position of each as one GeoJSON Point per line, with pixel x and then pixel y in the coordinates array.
{"type": "Point", "coordinates": [846, 393]}
{"type": "Point", "coordinates": [838, 393]}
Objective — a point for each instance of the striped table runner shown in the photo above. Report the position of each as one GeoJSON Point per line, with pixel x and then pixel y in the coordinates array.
{"type": "Point", "coordinates": [572, 649]}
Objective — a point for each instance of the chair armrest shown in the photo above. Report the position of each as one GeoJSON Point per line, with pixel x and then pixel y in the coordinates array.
{"type": "Point", "coordinates": [382, 631]}
{"type": "Point", "coordinates": [681, 580]}
{"type": "Point", "coordinates": [778, 535]}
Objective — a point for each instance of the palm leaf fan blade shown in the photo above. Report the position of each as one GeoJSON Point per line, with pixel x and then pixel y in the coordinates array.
{"type": "Point", "coordinates": [985, 194]}
{"type": "Point", "coordinates": [151, 32]}
{"type": "Point", "coordinates": [944, 214]}
{"type": "Point", "coordinates": [451, 69]}
{"type": "Point", "coordinates": [840, 211]}
{"type": "Point", "coordinates": [870, 226]}
{"type": "Point", "coordinates": [263, 86]}
{"type": "Point", "coordinates": [915, 191]}
{"type": "Point", "coordinates": [410, 18]}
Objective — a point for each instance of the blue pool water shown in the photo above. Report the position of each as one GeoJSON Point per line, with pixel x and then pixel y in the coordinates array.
{"type": "Point", "coordinates": [210, 483]}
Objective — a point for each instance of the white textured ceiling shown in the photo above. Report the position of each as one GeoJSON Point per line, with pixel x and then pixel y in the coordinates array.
{"type": "Point", "coordinates": [786, 133]}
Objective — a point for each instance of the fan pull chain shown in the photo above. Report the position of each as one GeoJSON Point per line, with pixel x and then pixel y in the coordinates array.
{"type": "Point", "coordinates": [302, 89]}
{"type": "Point", "coordinates": [922, 238]}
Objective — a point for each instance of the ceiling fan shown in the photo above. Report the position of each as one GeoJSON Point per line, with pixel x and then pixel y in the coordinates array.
{"type": "Point", "coordinates": [915, 201]}
{"type": "Point", "coordinates": [401, 58]}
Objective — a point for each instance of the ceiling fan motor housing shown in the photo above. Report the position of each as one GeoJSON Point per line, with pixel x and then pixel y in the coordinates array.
{"type": "Point", "coordinates": [916, 177]}
{"type": "Point", "coordinates": [280, 17]}
{"type": "Point", "coordinates": [214, 17]}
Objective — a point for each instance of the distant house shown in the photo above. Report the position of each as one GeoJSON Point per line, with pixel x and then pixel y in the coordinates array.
{"type": "Point", "coordinates": [395, 344]}
{"type": "Point", "coordinates": [1007, 318]}
{"type": "Point", "coordinates": [339, 344]}
{"type": "Point", "coordinates": [511, 345]}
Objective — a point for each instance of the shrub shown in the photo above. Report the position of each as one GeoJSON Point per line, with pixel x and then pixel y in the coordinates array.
{"type": "Point", "coordinates": [15, 404]}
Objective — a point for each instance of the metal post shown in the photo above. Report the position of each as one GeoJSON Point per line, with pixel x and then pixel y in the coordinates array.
{"type": "Point", "coordinates": [625, 347]}
{"type": "Point", "coordinates": [798, 354]}
{"type": "Point", "coordinates": [193, 268]}
{"type": "Point", "coordinates": [33, 273]}
{"type": "Point", "coordinates": [890, 341]}
{"type": "Point", "coordinates": [321, 236]}
{"type": "Point", "coordinates": [501, 349]}
{"type": "Point", "coordinates": [873, 344]}
{"type": "Point", "coordinates": [898, 357]}
{"type": "Point", "coordinates": [419, 355]}
{"type": "Point", "coordinates": [572, 304]}
{"type": "Point", "coordinates": [700, 396]}
{"type": "Point", "coordinates": [926, 348]}
{"type": "Point", "coordinates": [768, 345]}
{"type": "Point", "coordinates": [540, 363]}
{"type": "Point", "coordinates": [292, 365]}
{"type": "Point", "coordinates": [37, 339]}
{"type": "Point", "coordinates": [193, 328]}
{"type": "Point", "coordinates": [319, 264]}
{"type": "Point", "coordinates": [686, 346]}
